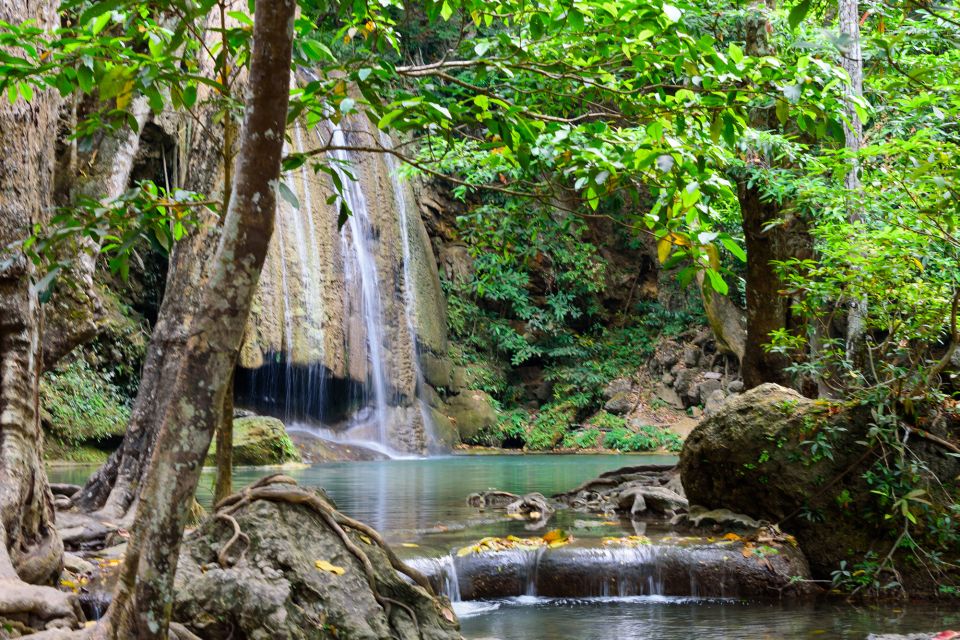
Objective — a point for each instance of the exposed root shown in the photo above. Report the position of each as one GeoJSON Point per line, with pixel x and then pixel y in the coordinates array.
{"type": "Point", "coordinates": [222, 557]}
{"type": "Point", "coordinates": [38, 608]}
{"type": "Point", "coordinates": [267, 489]}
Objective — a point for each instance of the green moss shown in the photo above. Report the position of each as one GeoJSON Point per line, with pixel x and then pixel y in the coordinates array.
{"type": "Point", "coordinates": [550, 425]}
{"type": "Point", "coordinates": [259, 440]}
{"type": "Point", "coordinates": [81, 410]}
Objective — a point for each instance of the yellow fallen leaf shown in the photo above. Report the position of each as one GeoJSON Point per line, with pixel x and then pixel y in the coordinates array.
{"type": "Point", "coordinates": [366, 539]}
{"type": "Point", "coordinates": [556, 535]}
{"type": "Point", "coordinates": [323, 565]}
{"type": "Point", "coordinates": [610, 523]}
{"type": "Point", "coordinates": [409, 545]}
{"type": "Point", "coordinates": [732, 537]}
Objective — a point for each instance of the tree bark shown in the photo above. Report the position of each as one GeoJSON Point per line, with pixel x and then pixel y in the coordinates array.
{"type": "Point", "coordinates": [852, 62]}
{"type": "Point", "coordinates": [143, 598]}
{"type": "Point", "coordinates": [224, 485]}
{"type": "Point", "coordinates": [767, 240]}
{"type": "Point", "coordinates": [74, 313]}
{"type": "Point", "coordinates": [31, 552]}
{"type": "Point", "coordinates": [112, 490]}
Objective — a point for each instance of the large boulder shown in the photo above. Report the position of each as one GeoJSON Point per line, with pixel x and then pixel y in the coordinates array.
{"type": "Point", "coordinates": [756, 456]}
{"type": "Point", "coordinates": [471, 411]}
{"type": "Point", "coordinates": [279, 568]}
{"type": "Point", "coordinates": [259, 440]}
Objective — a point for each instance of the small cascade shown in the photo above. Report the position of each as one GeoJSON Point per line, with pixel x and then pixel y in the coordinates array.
{"type": "Point", "coordinates": [590, 572]}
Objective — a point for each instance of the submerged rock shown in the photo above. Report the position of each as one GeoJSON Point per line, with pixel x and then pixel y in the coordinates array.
{"type": "Point", "coordinates": [278, 568]}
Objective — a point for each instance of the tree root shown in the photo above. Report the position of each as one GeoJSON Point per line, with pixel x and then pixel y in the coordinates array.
{"type": "Point", "coordinates": [267, 489]}
{"type": "Point", "coordinates": [38, 608]}
{"type": "Point", "coordinates": [222, 557]}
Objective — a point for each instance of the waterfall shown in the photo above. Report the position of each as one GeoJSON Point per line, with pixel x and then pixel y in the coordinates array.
{"type": "Point", "coordinates": [356, 239]}
{"type": "Point", "coordinates": [409, 282]}
{"type": "Point", "coordinates": [338, 321]}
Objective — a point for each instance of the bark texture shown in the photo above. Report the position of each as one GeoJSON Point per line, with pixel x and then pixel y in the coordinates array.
{"type": "Point", "coordinates": [771, 233]}
{"type": "Point", "coordinates": [112, 490]}
{"type": "Point", "coordinates": [31, 550]}
{"type": "Point", "coordinates": [74, 313]}
{"type": "Point", "coordinates": [142, 602]}
{"type": "Point", "coordinates": [852, 61]}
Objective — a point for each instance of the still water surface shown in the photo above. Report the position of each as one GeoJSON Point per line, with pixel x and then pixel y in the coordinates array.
{"type": "Point", "coordinates": [421, 504]}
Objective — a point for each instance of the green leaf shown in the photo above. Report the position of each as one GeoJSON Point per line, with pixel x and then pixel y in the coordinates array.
{"type": "Point", "coordinates": [734, 248]}
{"type": "Point", "coordinates": [287, 194]}
{"type": "Point", "coordinates": [446, 11]}
{"type": "Point", "coordinates": [798, 13]}
{"type": "Point", "coordinates": [716, 282]}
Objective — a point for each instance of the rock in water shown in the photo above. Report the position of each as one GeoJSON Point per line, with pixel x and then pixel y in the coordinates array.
{"type": "Point", "coordinates": [754, 457]}
{"type": "Point", "coordinates": [288, 574]}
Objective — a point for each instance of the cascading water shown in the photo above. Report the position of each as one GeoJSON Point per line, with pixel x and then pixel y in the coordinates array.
{"type": "Point", "coordinates": [360, 272]}
{"type": "Point", "coordinates": [409, 289]}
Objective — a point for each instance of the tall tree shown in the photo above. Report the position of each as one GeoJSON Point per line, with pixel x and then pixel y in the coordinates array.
{"type": "Point", "coordinates": [852, 62]}
{"type": "Point", "coordinates": [144, 595]}
{"type": "Point", "coordinates": [31, 550]}
{"type": "Point", "coordinates": [771, 233]}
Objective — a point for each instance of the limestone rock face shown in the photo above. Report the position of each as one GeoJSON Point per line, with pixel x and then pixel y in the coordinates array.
{"type": "Point", "coordinates": [296, 579]}
{"type": "Point", "coordinates": [748, 457]}
{"type": "Point", "coordinates": [471, 411]}
{"type": "Point", "coordinates": [311, 311]}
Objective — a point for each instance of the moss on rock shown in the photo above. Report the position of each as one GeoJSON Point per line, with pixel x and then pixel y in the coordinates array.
{"type": "Point", "coordinates": [259, 440]}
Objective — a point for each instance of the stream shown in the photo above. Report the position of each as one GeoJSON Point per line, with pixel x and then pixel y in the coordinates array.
{"type": "Point", "coordinates": [419, 505]}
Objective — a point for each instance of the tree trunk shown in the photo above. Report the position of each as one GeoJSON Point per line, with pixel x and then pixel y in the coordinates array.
{"type": "Point", "coordinates": [73, 315]}
{"type": "Point", "coordinates": [852, 62]}
{"type": "Point", "coordinates": [31, 552]}
{"type": "Point", "coordinates": [224, 484]}
{"type": "Point", "coordinates": [768, 307]}
{"type": "Point", "coordinates": [112, 490]}
{"type": "Point", "coordinates": [143, 598]}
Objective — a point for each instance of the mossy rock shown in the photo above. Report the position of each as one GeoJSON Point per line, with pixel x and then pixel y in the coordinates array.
{"type": "Point", "coordinates": [471, 412]}
{"type": "Point", "coordinates": [259, 440]}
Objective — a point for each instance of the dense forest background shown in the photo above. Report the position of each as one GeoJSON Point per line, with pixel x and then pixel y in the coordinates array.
{"type": "Point", "coordinates": [639, 209]}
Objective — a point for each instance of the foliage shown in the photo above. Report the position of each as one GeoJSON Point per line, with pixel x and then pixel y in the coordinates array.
{"type": "Point", "coordinates": [81, 405]}
{"type": "Point", "coordinates": [643, 438]}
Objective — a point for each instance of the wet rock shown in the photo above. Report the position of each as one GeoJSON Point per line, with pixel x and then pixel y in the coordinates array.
{"type": "Point", "coordinates": [656, 569]}
{"type": "Point", "coordinates": [471, 411]}
{"type": "Point", "coordinates": [713, 375]}
{"type": "Point", "coordinates": [492, 498]}
{"type": "Point", "coordinates": [749, 457]}
{"type": "Point", "coordinates": [736, 386]}
{"type": "Point", "coordinates": [259, 440]}
{"type": "Point", "coordinates": [437, 371]}
{"type": "Point", "coordinates": [293, 576]}
{"type": "Point", "coordinates": [314, 449]}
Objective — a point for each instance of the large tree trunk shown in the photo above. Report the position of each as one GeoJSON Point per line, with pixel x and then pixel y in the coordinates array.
{"type": "Point", "coordinates": [112, 490]}
{"type": "Point", "coordinates": [143, 598]}
{"type": "Point", "coordinates": [768, 307]}
{"type": "Point", "coordinates": [30, 548]}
